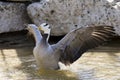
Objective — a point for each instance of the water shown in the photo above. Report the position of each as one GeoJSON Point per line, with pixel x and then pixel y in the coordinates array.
{"type": "Point", "coordinates": [99, 64]}
{"type": "Point", "coordinates": [23, 67]}
{"type": "Point", "coordinates": [17, 63]}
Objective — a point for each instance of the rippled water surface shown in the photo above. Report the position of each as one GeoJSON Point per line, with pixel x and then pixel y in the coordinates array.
{"type": "Point", "coordinates": [102, 63]}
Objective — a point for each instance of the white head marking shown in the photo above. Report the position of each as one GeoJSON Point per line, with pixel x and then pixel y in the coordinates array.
{"type": "Point", "coordinates": [45, 28]}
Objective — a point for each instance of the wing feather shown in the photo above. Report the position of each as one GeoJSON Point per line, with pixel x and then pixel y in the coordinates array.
{"type": "Point", "coordinates": [78, 41]}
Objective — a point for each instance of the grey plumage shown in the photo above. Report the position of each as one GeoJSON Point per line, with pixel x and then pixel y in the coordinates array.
{"type": "Point", "coordinates": [73, 45]}
{"type": "Point", "coordinates": [78, 41]}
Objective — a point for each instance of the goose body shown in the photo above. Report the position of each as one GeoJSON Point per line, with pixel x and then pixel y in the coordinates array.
{"type": "Point", "coordinates": [43, 52]}
{"type": "Point", "coordinates": [68, 49]}
{"type": "Point", "coordinates": [45, 58]}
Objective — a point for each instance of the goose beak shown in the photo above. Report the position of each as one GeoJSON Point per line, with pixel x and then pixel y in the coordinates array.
{"type": "Point", "coordinates": [40, 28]}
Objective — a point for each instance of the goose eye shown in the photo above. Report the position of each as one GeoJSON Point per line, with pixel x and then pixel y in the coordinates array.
{"type": "Point", "coordinates": [45, 24]}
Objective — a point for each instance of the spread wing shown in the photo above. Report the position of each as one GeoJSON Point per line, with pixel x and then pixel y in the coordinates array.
{"type": "Point", "coordinates": [75, 43]}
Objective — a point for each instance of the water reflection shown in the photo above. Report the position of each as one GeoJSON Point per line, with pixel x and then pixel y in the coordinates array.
{"type": "Point", "coordinates": [57, 75]}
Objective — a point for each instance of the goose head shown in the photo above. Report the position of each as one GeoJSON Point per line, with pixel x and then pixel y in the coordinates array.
{"type": "Point", "coordinates": [31, 28]}
{"type": "Point", "coordinates": [45, 29]}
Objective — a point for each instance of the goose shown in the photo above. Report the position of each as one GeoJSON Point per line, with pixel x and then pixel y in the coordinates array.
{"type": "Point", "coordinates": [70, 48]}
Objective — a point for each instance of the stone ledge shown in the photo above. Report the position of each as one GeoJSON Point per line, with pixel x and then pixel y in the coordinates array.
{"type": "Point", "coordinates": [13, 16]}
{"type": "Point", "coordinates": [20, 1]}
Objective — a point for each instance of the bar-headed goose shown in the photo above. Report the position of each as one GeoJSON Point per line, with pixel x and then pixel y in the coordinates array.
{"type": "Point", "coordinates": [70, 47]}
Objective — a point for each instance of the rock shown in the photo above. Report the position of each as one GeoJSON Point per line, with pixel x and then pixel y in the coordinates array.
{"type": "Point", "coordinates": [19, 0]}
{"type": "Point", "coordinates": [15, 0]}
{"type": "Point", "coordinates": [13, 16]}
{"type": "Point", "coordinates": [66, 15]}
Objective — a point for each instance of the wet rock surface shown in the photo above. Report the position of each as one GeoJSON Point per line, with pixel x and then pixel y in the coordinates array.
{"type": "Point", "coordinates": [17, 61]}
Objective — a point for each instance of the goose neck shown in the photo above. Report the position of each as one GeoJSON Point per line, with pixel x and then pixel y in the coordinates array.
{"type": "Point", "coordinates": [37, 35]}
